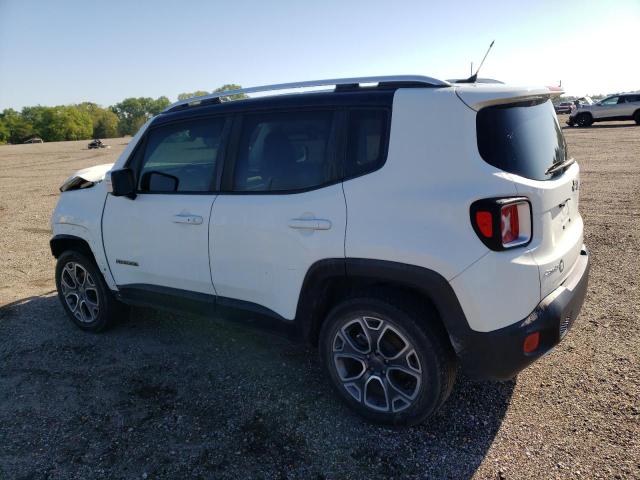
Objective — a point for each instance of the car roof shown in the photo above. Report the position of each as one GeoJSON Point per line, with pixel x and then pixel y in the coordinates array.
{"type": "Point", "coordinates": [360, 97]}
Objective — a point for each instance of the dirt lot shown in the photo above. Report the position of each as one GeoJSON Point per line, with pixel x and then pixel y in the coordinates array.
{"type": "Point", "coordinates": [164, 396]}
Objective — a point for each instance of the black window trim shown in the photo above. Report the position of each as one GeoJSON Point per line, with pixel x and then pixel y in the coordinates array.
{"type": "Point", "coordinates": [222, 183]}
{"type": "Point", "coordinates": [134, 162]}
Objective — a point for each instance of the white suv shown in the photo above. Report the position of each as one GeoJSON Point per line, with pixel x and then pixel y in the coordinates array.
{"type": "Point", "coordinates": [402, 224]}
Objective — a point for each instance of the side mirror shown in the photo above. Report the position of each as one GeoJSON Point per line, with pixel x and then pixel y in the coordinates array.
{"type": "Point", "coordinates": [123, 183]}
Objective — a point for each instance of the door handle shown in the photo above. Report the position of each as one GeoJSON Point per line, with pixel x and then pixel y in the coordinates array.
{"type": "Point", "coordinates": [188, 219]}
{"type": "Point", "coordinates": [309, 224]}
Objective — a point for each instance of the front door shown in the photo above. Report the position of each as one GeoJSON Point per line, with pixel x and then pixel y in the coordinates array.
{"type": "Point", "coordinates": [161, 238]}
{"type": "Point", "coordinates": [607, 108]}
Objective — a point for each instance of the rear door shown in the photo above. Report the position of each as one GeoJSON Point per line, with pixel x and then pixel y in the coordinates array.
{"type": "Point", "coordinates": [284, 208]}
{"type": "Point", "coordinates": [525, 140]}
{"type": "Point", "coordinates": [161, 238]}
{"type": "Point", "coordinates": [628, 104]}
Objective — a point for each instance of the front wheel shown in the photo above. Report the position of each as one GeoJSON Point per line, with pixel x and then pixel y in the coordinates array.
{"type": "Point", "coordinates": [584, 120]}
{"type": "Point", "coordinates": [387, 360]}
{"type": "Point", "coordinates": [84, 295]}
{"type": "Point", "coordinates": [636, 117]}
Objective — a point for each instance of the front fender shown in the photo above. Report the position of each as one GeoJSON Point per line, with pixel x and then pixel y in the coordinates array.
{"type": "Point", "coordinates": [67, 236]}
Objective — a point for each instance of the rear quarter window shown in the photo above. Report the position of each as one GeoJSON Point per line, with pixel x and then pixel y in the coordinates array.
{"type": "Point", "coordinates": [521, 138]}
{"type": "Point", "coordinates": [367, 141]}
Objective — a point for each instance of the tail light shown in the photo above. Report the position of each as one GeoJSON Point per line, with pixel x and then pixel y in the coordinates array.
{"type": "Point", "coordinates": [531, 342]}
{"type": "Point", "coordinates": [502, 223]}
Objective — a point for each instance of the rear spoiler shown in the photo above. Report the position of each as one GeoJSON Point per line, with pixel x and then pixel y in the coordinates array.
{"type": "Point", "coordinates": [477, 96]}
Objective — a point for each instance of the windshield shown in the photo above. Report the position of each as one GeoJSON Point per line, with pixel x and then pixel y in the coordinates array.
{"type": "Point", "coordinates": [521, 138]}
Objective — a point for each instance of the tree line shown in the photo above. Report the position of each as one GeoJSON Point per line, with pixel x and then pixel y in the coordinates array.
{"type": "Point", "coordinates": [87, 120]}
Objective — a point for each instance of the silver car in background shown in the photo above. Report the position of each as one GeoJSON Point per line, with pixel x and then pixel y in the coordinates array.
{"type": "Point", "coordinates": [624, 106]}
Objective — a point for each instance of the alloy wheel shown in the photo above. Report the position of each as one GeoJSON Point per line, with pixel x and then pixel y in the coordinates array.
{"type": "Point", "coordinates": [80, 292]}
{"type": "Point", "coordinates": [376, 364]}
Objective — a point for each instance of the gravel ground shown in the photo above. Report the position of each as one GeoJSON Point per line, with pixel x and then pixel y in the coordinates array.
{"type": "Point", "coordinates": [167, 396]}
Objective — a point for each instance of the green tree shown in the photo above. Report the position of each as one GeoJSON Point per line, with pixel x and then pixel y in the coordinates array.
{"type": "Point", "coordinates": [158, 105]}
{"type": "Point", "coordinates": [34, 117]}
{"type": "Point", "coordinates": [134, 112]}
{"type": "Point", "coordinates": [19, 129]}
{"type": "Point", "coordinates": [105, 122]}
{"type": "Point", "coordinates": [66, 123]}
{"type": "Point", "coordinates": [4, 131]}
{"type": "Point", "coordinates": [197, 93]}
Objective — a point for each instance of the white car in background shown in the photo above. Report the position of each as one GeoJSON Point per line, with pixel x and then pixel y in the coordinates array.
{"type": "Point", "coordinates": [625, 106]}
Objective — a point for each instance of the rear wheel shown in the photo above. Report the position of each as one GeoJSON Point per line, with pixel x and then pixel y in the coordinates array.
{"type": "Point", "coordinates": [636, 117]}
{"type": "Point", "coordinates": [386, 360]}
{"type": "Point", "coordinates": [584, 120]}
{"type": "Point", "coordinates": [84, 294]}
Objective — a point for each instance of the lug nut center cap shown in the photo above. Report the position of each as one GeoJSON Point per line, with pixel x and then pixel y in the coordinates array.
{"type": "Point", "coordinates": [376, 362]}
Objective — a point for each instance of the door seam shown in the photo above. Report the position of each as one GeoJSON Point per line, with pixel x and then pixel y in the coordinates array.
{"type": "Point", "coordinates": [210, 246]}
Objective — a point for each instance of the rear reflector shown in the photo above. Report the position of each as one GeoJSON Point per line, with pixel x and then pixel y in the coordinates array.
{"type": "Point", "coordinates": [531, 342]}
{"type": "Point", "coordinates": [509, 223]}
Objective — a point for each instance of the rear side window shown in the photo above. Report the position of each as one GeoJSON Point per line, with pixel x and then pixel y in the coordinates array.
{"type": "Point", "coordinates": [284, 151]}
{"type": "Point", "coordinates": [181, 157]}
{"type": "Point", "coordinates": [521, 138]}
{"type": "Point", "coordinates": [367, 141]}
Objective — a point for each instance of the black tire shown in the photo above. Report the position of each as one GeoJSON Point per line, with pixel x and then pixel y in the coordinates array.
{"type": "Point", "coordinates": [636, 117]}
{"type": "Point", "coordinates": [584, 120]}
{"type": "Point", "coordinates": [78, 302]}
{"type": "Point", "coordinates": [434, 360]}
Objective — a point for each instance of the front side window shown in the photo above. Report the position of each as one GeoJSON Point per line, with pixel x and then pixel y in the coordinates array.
{"type": "Point", "coordinates": [284, 151]}
{"type": "Point", "coordinates": [610, 101]}
{"type": "Point", "coordinates": [367, 138]}
{"type": "Point", "coordinates": [181, 157]}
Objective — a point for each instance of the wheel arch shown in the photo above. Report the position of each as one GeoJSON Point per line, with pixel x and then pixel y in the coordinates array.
{"type": "Point", "coordinates": [62, 242]}
{"type": "Point", "coordinates": [330, 281]}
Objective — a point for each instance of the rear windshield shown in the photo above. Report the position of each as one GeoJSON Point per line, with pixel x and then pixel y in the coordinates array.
{"type": "Point", "coordinates": [522, 138]}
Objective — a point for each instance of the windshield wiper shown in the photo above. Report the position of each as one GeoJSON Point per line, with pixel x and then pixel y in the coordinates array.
{"type": "Point", "coordinates": [559, 166]}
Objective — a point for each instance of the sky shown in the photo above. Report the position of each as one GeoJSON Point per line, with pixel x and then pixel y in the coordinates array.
{"type": "Point", "coordinates": [61, 52]}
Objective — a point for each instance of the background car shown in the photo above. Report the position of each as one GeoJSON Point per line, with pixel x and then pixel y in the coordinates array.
{"type": "Point", "coordinates": [625, 106]}
{"type": "Point", "coordinates": [563, 107]}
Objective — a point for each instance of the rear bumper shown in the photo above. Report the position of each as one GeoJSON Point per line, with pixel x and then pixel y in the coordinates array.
{"type": "Point", "coordinates": [499, 355]}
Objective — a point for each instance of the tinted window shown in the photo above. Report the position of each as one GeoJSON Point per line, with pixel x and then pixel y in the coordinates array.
{"type": "Point", "coordinates": [366, 148]}
{"type": "Point", "coordinates": [181, 157]}
{"type": "Point", "coordinates": [610, 101]}
{"type": "Point", "coordinates": [522, 138]}
{"type": "Point", "coordinates": [630, 98]}
{"type": "Point", "coordinates": [284, 151]}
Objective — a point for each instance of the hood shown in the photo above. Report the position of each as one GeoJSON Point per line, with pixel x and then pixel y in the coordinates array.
{"type": "Point", "coordinates": [85, 178]}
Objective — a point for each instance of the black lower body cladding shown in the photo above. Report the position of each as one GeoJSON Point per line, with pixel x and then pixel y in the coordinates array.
{"type": "Point", "coordinates": [499, 354]}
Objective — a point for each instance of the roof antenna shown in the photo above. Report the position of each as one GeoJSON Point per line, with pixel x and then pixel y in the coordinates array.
{"type": "Point", "coordinates": [473, 78]}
